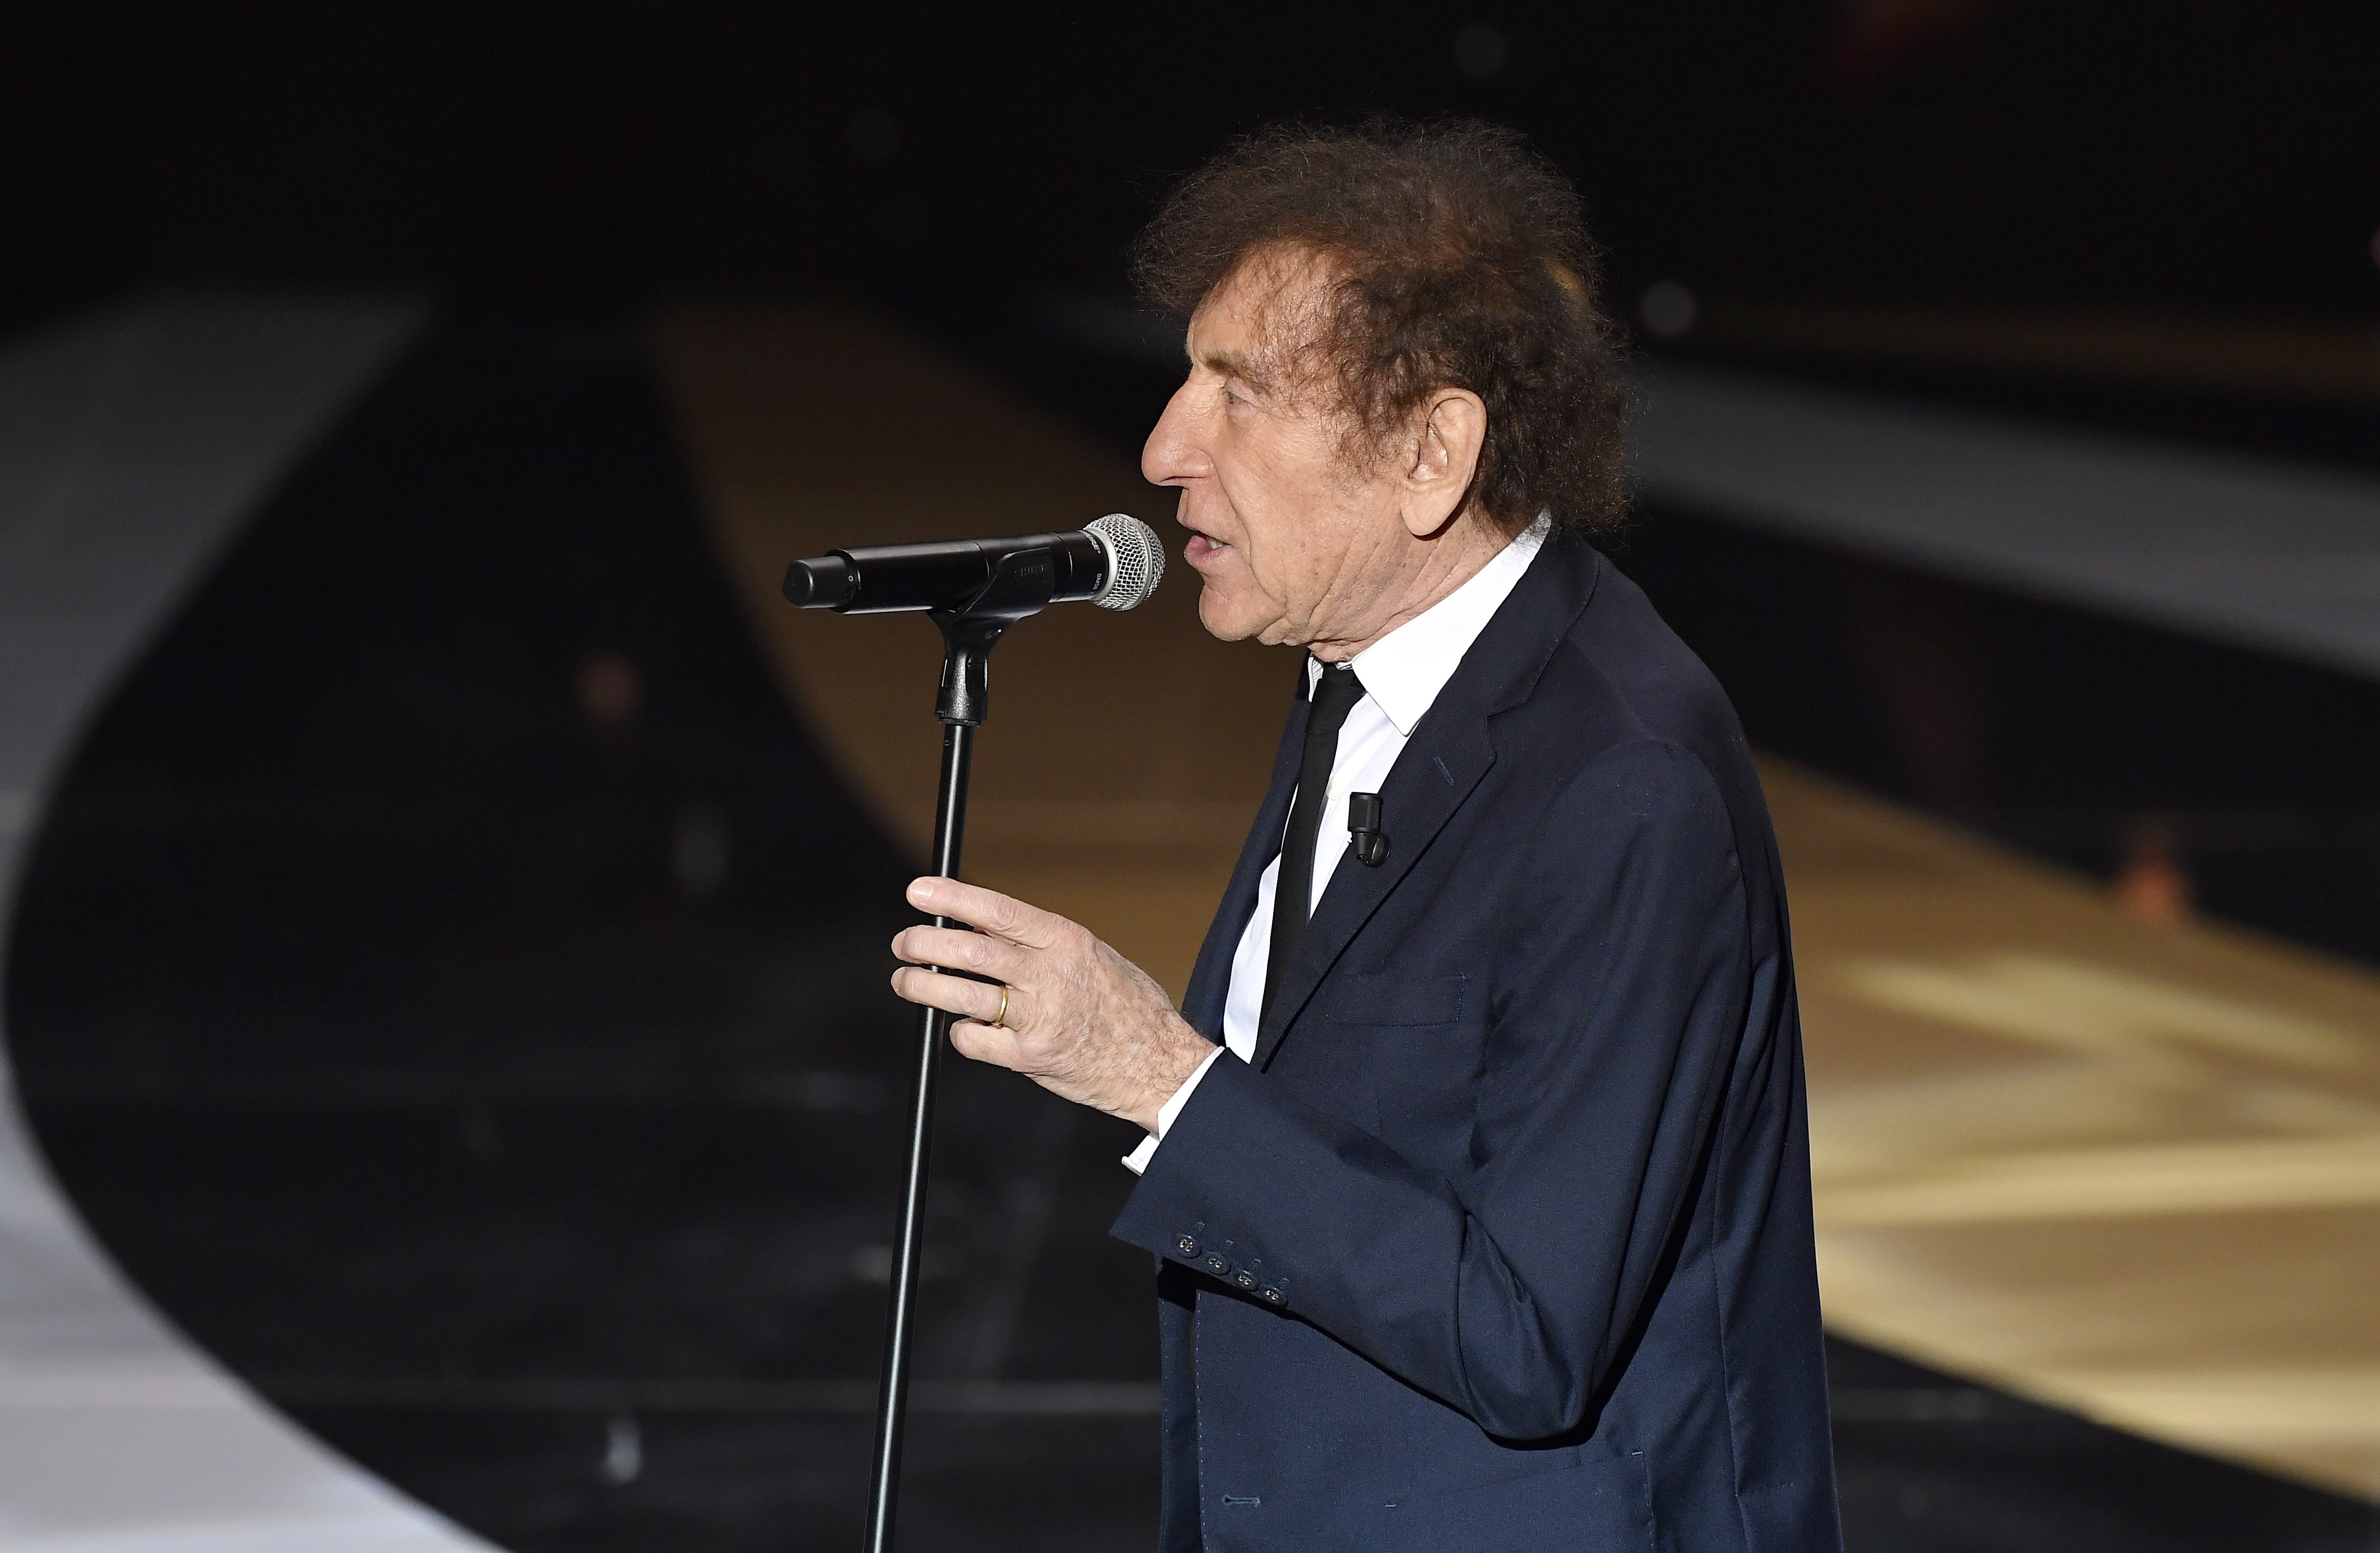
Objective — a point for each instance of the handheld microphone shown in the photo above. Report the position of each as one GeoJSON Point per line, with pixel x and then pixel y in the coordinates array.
{"type": "Point", "coordinates": [1115, 562]}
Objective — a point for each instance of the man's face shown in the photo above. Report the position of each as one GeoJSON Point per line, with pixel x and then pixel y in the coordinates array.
{"type": "Point", "coordinates": [1290, 544]}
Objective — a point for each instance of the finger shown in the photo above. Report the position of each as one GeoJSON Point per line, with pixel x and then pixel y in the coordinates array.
{"type": "Point", "coordinates": [979, 1042]}
{"type": "Point", "coordinates": [951, 994]}
{"type": "Point", "coordinates": [1001, 916]}
{"type": "Point", "coordinates": [955, 949]}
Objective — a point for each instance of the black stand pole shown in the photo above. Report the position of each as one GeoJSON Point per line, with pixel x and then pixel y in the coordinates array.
{"type": "Point", "coordinates": [968, 637]}
{"type": "Point", "coordinates": [893, 1397]}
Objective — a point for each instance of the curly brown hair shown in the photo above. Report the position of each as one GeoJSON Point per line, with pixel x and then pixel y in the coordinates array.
{"type": "Point", "coordinates": [1456, 257]}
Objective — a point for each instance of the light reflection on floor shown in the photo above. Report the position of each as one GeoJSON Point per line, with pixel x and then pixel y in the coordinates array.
{"type": "Point", "coordinates": [2133, 1170]}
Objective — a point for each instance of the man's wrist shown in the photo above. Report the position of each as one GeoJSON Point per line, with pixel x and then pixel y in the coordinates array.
{"type": "Point", "coordinates": [1182, 1061]}
{"type": "Point", "coordinates": [1171, 1110]}
{"type": "Point", "coordinates": [1137, 1161]}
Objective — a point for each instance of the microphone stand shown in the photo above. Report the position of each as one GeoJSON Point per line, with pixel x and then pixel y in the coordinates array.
{"type": "Point", "coordinates": [1020, 586]}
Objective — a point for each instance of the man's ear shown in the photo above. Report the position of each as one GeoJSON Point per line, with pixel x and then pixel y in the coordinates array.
{"type": "Point", "coordinates": [1445, 455]}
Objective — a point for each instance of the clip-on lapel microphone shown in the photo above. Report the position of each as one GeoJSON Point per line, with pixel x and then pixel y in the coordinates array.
{"type": "Point", "coordinates": [1363, 829]}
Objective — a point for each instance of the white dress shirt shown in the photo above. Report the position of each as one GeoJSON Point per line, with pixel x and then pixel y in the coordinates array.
{"type": "Point", "coordinates": [1401, 675]}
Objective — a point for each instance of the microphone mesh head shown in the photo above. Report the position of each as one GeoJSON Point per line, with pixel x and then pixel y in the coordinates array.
{"type": "Point", "coordinates": [1136, 561]}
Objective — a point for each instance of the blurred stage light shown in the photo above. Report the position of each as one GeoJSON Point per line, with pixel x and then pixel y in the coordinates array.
{"type": "Point", "coordinates": [623, 1451]}
{"type": "Point", "coordinates": [2152, 883]}
{"type": "Point", "coordinates": [611, 691]}
{"type": "Point", "coordinates": [698, 851]}
{"type": "Point", "coordinates": [1480, 51]}
{"type": "Point", "coordinates": [1667, 307]}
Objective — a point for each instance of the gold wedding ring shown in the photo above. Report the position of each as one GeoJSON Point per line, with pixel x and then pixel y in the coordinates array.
{"type": "Point", "coordinates": [1000, 1020]}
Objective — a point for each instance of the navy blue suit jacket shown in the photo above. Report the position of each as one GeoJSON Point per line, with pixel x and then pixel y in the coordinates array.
{"type": "Point", "coordinates": [1502, 1241]}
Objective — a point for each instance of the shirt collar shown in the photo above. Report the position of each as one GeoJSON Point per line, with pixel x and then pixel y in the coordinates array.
{"type": "Point", "coordinates": [1404, 671]}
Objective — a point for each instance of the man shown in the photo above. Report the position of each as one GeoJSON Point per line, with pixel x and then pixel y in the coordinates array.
{"type": "Point", "coordinates": [1485, 1227]}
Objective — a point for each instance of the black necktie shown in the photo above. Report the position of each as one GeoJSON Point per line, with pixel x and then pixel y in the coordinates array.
{"type": "Point", "coordinates": [1336, 691]}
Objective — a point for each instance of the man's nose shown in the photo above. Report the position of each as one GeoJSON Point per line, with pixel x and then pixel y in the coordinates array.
{"type": "Point", "coordinates": [1172, 454]}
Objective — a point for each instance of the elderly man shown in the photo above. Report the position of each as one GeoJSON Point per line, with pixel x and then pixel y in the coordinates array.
{"type": "Point", "coordinates": [1477, 1168]}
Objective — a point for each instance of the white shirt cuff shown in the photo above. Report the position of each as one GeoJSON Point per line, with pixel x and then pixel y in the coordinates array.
{"type": "Point", "coordinates": [1137, 1161]}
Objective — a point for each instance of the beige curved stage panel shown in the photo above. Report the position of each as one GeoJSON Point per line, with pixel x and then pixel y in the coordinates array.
{"type": "Point", "coordinates": [2129, 1170]}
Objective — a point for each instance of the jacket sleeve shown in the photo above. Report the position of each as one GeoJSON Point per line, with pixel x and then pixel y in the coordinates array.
{"type": "Point", "coordinates": [1616, 1011]}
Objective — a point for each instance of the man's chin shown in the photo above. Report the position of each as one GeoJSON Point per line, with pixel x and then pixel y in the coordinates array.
{"type": "Point", "coordinates": [1229, 617]}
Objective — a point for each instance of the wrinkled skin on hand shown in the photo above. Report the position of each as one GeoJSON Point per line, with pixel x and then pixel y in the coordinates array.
{"type": "Point", "coordinates": [1082, 1021]}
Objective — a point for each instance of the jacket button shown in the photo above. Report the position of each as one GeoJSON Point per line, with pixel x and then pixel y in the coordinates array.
{"type": "Point", "coordinates": [1272, 1296]}
{"type": "Point", "coordinates": [1245, 1280]}
{"type": "Point", "coordinates": [1215, 1262]}
{"type": "Point", "coordinates": [1187, 1247]}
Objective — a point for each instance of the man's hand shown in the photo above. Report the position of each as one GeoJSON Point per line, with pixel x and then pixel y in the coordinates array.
{"type": "Point", "coordinates": [1082, 1021]}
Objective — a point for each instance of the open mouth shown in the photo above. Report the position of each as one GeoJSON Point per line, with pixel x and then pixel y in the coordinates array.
{"type": "Point", "coordinates": [1202, 547]}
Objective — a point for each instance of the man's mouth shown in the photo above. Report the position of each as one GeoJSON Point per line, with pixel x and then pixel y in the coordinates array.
{"type": "Point", "coordinates": [1202, 548]}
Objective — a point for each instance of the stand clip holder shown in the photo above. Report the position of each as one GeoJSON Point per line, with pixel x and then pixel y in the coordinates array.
{"type": "Point", "coordinates": [1020, 585]}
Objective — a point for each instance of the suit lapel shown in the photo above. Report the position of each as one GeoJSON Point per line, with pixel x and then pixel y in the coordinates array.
{"type": "Point", "coordinates": [1417, 799]}
{"type": "Point", "coordinates": [1210, 978]}
{"type": "Point", "coordinates": [1450, 750]}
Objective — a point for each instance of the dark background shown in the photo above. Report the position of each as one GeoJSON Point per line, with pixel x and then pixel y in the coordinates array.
{"type": "Point", "coordinates": [2210, 154]}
